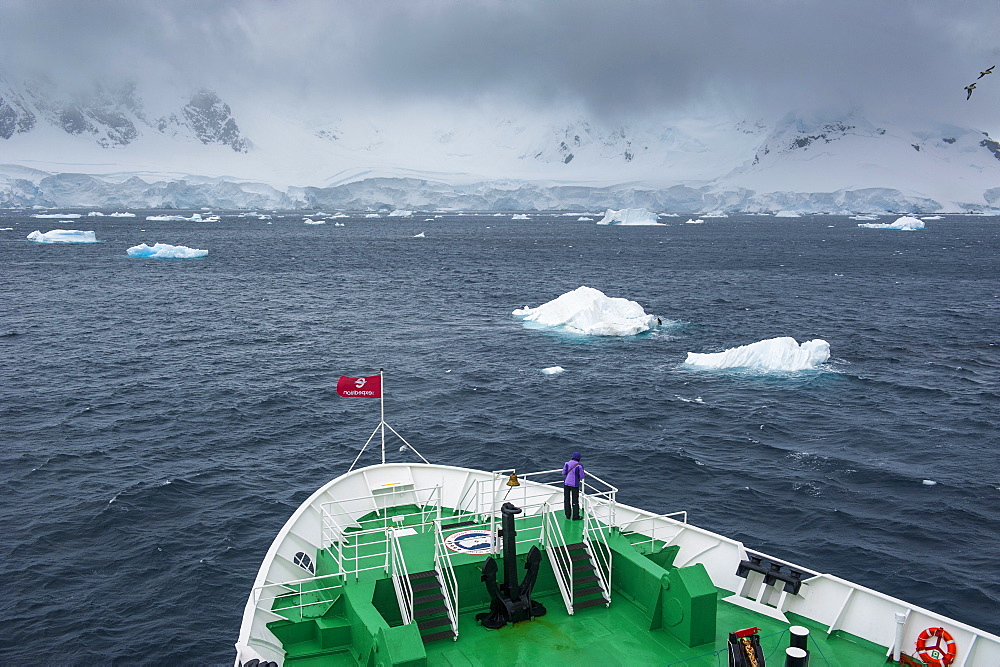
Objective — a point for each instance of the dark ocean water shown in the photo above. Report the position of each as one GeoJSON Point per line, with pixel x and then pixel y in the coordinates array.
{"type": "Point", "coordinates": [160, 420]}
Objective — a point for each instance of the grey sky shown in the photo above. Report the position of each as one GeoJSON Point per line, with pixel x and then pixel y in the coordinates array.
{"type": "Point", "coordinates": [619, 59]}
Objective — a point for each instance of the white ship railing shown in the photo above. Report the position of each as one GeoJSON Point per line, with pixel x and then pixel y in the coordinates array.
{"type": "Point", "coordinates": [268, 593]}
{"type": "Point", "coordinates": [555, 547]}
{"type": "Point", "coordinates": [339, 541]}
{"type": "Point", "coordinates": [400, 579]}
{"type": "Point", "coordinates": [446, 572]}
{"type": "Point", "coordinates": [630, 527]}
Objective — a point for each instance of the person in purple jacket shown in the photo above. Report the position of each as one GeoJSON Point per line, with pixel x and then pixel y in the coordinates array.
{"type": "Point", "coordinates": [573, 474]}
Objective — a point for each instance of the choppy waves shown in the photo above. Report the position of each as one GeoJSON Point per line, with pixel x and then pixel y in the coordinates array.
{"type": "Point", "coordinates": [162, 420]}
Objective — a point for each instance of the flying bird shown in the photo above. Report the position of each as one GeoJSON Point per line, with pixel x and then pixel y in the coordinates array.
{"type": "Point", "coordinates": [985, 72]}
{"type": "Point", "coordinates": [970, 88]}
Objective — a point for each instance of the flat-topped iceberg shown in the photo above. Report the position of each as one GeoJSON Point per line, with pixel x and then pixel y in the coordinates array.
{"type": "Point", "coordinates": [164, 251]}
{"type": "Point", "coordinates": [629, 216]}
{"type": "Point", "coordinates": [195, 217]}
{"type": "Point", "coordinates": [773, 354]}
{"type": "Point", "coordinates": [62, 236]}
{"type": "Point", "coordinates": [400, 214]}
{"type": "Point", "coordinates": [905, 223]}
{"type": "Point", "coordinates": [47, 216]}
{"type": "Point", "coordinates": [589, 311]}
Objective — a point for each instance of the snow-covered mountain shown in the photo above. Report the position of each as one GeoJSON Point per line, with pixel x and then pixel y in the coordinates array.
{"type": "Point", "coordinates": [116, 147]}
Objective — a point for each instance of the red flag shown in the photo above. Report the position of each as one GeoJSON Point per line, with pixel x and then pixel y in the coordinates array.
{"type": "Point", "coordinates": [366, 387]}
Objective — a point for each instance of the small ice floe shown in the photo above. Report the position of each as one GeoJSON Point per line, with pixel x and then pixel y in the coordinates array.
{"type": "Point", "coordinates": [164, 251]}
{"type": "Point", "coordinates": [553, 370]}
{"type": "Point", "coordinates": [589, 311]}
{"type": "Point", "coordinates": [372, 215]}
{"type": "Point", "coordinates": [126, 214]}
{"type": "Point", "coordinates": [788, 214]}
{"type": "Point", "coordinates": [403, 448]}
{"type": "Point", "coordinates": [419, 236]}
{"type": "Point", "coordinates": [931, 217]}
{"type": "Point", "coordinates": [905, 223]}
{"type": "Point", "coordinates": [46, 216]}
{"type": "Point", "coordinates": [689, 400]}
{"type": "Point", "coordinates": [628, 216]}
{"type": "Point", "coordinates": [340, 215]}
{"type": "Point", "coordinates": [6, 229]}
{"type": "Point", "coordinates": [697, 221]}
{"type": "Point", "coordinates": [774, 354]}
{"type": "Point", "coordinates": [400, 214]}
{"type": "Point", "coordinates": [63, 236]}
{"type": "Point", "coordinates": [584, 219]}
{"type": "Point", "coordinates": [310, 221]}
{"type": "Point", "coordinates": [520, 216]}
{"type": "Point", "coordinates": [928, 482]}
{"type": "Point", "coordinates": [339, 224]}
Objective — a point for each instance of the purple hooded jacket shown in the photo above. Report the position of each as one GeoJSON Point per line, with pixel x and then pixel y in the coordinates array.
{"type": "Point", "coordinates": [573, 470]}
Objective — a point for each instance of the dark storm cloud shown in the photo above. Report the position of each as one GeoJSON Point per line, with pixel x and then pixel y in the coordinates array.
{"type": "Point", "coordinates": [616, 58]}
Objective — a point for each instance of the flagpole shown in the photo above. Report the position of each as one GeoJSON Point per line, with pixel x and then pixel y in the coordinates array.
{"type": "Point", "coordinates": [381, 402]}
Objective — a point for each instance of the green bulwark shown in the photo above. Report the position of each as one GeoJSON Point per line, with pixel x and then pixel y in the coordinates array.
{"type": "Point", "coordinates": [659, 614]}
{"type": "Point", "coordinates": [679, 601]}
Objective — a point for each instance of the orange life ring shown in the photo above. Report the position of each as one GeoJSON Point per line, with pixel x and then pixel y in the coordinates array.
{"type": "Point", "coordinates": [936, 647]}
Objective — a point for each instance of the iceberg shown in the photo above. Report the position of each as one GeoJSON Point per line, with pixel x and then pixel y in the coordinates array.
{"type": "Point", "coordinates": [589, 311]}
{"type": "Point", "coordinates": [629, 216]}
{"type": "Point", "coordinates": [773, 354]}
{"type": "Point", "coordinates": [585, 219]}
{"type": "Point", "coordinates": [310, 221]}
{"type": "Point", "coordinates": [340, 215]}
{"type": "Point", "coordinates": [864, 217]}
{"type": "Point", "coordinates": [699, 221]}
{"type": "Point", "coordinates": [905, 223]}
{"type": "Point", "coordinates": [372, 215]}
{"type": "Point", "coordinates": [164, 251]}
{"type": "Point", "coordinates": [55, 215]}
{"type": "Point", "coordinates": [95, 214]}
{"type": "Point", "coordinates": [418, 236]}
{"type": "Point", "coordinates": [553, 370]}
{"type": "Point", "coordinates": [400, 214]}
{"type": "Point", "coordinates": [62, 236]}
{"type": "Point", "coordinates": [116, 214]}
{"type": "Point", "coordinates": [195, 217]}
{"type": "Point", "coordinates": [520, 216]}
{"type": "Point", "coordinates": [787, 214]}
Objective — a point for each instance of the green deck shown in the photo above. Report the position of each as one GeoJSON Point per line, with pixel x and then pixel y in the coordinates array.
{"type": "Point", "coordinates": [358, 621]}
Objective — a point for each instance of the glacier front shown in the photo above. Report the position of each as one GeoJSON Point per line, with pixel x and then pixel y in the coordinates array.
{"type": "Point", "coordinates": [773, 354]}
{"type": "Point", "coordinates": [590, 311]}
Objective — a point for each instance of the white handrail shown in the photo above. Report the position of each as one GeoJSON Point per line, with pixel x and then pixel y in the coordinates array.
{"type": "Point", "coordinates": [445, 570]}
{"type": "Point", "coordinates": [555, 547]}
{"type": "Point", "coordinates": [401, 579]}
{"type": "Point", "coordinates": [602, 556]}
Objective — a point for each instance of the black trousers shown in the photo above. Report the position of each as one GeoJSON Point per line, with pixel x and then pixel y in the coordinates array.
{"type": "Point", "coordinates": [571, 501]}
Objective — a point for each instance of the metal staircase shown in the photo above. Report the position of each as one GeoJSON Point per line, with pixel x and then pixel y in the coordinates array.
{"type": "Point", "coordinates": [430, 609]}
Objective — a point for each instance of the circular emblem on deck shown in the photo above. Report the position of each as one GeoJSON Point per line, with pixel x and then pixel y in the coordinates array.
{"type": "Point", "coordinates": [470, 541]}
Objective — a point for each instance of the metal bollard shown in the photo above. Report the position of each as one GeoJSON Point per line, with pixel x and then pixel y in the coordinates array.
{"type": "Point", "coordinates": [799, 637]}
{"type": "Point", "coordinates": [796, 657]}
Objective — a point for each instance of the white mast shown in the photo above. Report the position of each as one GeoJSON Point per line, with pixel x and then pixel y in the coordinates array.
{"type": "Point", "coordinates": [382, 426]}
